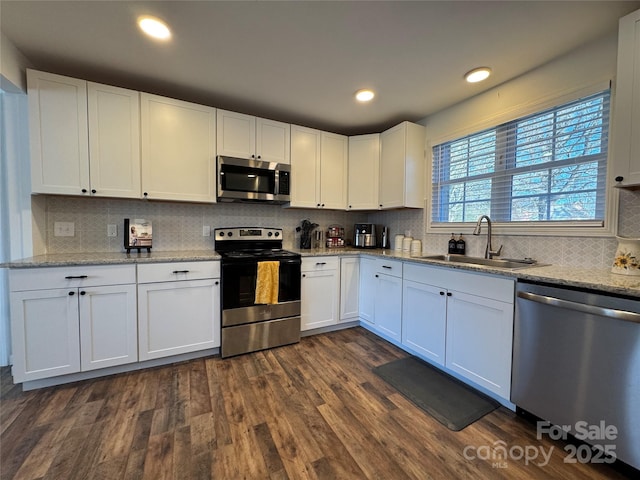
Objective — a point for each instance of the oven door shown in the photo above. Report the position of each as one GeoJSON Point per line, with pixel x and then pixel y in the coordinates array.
{"type": "Point", "coordinates": [239, 289]}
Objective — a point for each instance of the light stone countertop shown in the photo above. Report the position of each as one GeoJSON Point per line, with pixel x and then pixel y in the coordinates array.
{"type": "Point", "coordinates": [588, 278]}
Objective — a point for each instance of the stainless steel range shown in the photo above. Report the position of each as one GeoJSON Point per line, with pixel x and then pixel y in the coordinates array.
{"type": "Point", "coordinates": [251, 321]}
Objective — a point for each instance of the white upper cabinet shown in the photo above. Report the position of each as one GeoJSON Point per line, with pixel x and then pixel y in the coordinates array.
{"type": "Point", "coordinates": [318, 169]}
{"type": "Point", "coordinates": [363, 172]}
{"type": "Point", "coordinates": [402, 166]}
{"type": "Point", "coordinates": [58, 129]}
{"type": "Point", "coordinates": [84, 137]}
{"type": "Point", "coordinates": [114, 141]}
{"type": "Point", "coordinates": [178, 150]}
{"type": "Point", "coordinates": [334, 152]}
{"type": "Point", "coordinates": [245, 136]}
{"type": "Point", "coordinates": [626, 122]}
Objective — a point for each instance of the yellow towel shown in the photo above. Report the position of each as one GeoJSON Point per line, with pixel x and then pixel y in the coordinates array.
{"type": "Point", "coordinates": [267, 282]}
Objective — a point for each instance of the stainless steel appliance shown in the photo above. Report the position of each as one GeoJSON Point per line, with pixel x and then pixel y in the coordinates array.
{"type": "Point", "coordinates": [386, 241]}
{"type": "Point", "coordinates": [247, 180]}
{"type": "Point", "coordinates": [248, 326]}
{"type": "Point", "coordinates": [576, 358]}
{"type": "Point", "coordinates": [364, 235]}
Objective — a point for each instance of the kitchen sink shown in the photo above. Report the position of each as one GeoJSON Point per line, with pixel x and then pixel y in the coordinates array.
{"type": "Point", "coordinates": [510, 264]}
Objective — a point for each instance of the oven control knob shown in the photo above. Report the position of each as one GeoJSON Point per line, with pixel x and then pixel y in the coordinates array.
{"type": "Point", "coordinates": [270, 234]}
{"type": "Point", "coordinates": [222, 234]}
{"type": "Point", "coordinates": [277, 234]}
{"type": "Point", "coordinates": [230, 234]}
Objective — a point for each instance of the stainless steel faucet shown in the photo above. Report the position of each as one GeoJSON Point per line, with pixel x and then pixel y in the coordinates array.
{"type": "Point", "coordinates": [488, 251]}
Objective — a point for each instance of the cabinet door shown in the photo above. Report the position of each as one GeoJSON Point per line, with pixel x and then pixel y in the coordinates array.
{"type": "Point", "coordinates": [367, 292]}
{"type": "Point", "coordinates": [424, 320]}
{"type": "Point", "coordinates": [236, 134]}
{"type": "Point", "coordinates": [305, 167]}
{"type": "Point", "coordinates": [363, 172]}
{"type": "Point", "coordinates": [319, 296]}
{"type": "Point", "coordinates": [58, 134]}
{"type": "Point", "coordinates": [108, 326]}
{"type": "Point", "coordinates": [178, 317]}
{"type": "Point", "coordinates": [349, 286]}
{"type": "Point", "coordinates": [333, 171]}
{"type": "Point", "coordinates": [45, 333]}
{"type": "Point", "coordinates": [273, 141]}
{"type": "Point", "coordinates": [114, 141]}
{"type": "Point", "coordinates": [392, 145]}
{"type": "Point", "coordinates": [178, 149]}
{"type": "Point", "coordinates": [479, 340]}
{"type": "Point", "coordinates": [388, 306]}
{"type": "Point", "coordinates": [626, 147]}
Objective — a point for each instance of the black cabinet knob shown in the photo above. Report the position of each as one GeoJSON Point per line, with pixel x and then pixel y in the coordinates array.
{"type": "Point", "coordinates": [72, 294]}
{"type": "Point", "coordinates": [323, 204]}
{"type": "Point", "coordinates": [441, 293]}
{"type": "Point", "coordinates": [317, 204]}
{"type": "Point", "coordinates": [84, 190]}
{"type": "Point", "coordinates": [380, 205]}
{"type": "Point", "coordinates": [377, 276]}
{"type": "Point", "coordinates": [619, 178]}
{"type": "Point", "coordinates": [253, 156]}
{"type": "Point", "coordinates": [259, 157]}
{"type": "Point", "coordinates": [145, 194]}
{"type": "Point", "coordinates": [83, 293]}
{"type": "Point", "coordinates": [217, 282]}
{"type": "Point", "coordinates": [93, 191]}
{"type": "Point", "coordinates": [304, 275]}
{"type": "Point", "coordinates": [448, 294]}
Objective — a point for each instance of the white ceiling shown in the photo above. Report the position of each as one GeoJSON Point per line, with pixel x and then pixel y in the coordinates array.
{"type": "Point", "coordinates": [301, 62]}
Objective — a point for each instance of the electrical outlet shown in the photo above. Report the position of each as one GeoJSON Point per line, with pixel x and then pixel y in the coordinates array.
{"type": "Point", "coordinates": [64, 229]}
{"type": "Point", "coordinates": [206, 230]}
{"type": "Point", "coordinates": [112, 230]}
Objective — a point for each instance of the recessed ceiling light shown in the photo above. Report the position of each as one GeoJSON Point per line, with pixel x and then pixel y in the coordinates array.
{"type": "Point", "coordinates": [365, 95]}
{"type": "Point", "coordinates": [154, 28]}
{"type": "Point", "coordinates": [477, 74]}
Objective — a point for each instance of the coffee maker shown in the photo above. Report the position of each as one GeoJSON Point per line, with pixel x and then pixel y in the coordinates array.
{"type": "Point", "coordinates": [364, 235]}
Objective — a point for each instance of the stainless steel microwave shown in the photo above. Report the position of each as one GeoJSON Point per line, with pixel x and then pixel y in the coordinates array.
{"type": "Point", "coordinates": [247, 180]}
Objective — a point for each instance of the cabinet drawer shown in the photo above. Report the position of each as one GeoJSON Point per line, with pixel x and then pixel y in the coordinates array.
{"type": "Point", "coordinates": [473, 283]}
{"type": "Point", "coordinates": [389, 267]}
{"type": "Point", "coordinates": [314, 264]}
{"type": "Point", "coordinates": [71, 277]}
{"type": "Point", "coordinates": [170, 272]}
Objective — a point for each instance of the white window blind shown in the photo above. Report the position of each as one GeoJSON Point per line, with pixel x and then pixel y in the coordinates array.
{"type": "Point", "coordinates": [546, 167]}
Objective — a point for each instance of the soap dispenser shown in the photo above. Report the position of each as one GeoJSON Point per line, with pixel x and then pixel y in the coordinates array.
{"type": "Point", "coordinates": [453, 245]}
{"type": "Point", "coordinates": [461, 245]}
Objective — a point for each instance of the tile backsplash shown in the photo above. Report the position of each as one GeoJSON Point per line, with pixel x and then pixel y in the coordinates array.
{"type": "Point", "coordinates": [178, 226]}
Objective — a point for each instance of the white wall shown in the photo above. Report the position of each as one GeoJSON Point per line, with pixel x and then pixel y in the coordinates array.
{"type": "Point", "coordinates": [12, 66]}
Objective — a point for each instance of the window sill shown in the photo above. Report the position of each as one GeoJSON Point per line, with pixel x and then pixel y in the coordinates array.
{"type": "Point", "coordinates": [545, 229]}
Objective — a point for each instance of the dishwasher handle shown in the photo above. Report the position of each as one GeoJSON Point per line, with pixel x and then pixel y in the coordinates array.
{"type": "Point", "coordinates": [581, 307]}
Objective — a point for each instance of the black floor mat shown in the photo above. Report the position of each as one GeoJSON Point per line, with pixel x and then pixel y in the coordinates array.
{"type": "Point", "coordinates": [447, 399]}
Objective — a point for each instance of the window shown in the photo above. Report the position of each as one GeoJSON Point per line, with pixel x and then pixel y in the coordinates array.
{"type": "Point", "coordinates": [546, 167]}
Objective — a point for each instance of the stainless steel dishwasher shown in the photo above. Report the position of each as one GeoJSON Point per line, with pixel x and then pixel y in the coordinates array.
{"type": "Point", "coordinates": [576, 362]}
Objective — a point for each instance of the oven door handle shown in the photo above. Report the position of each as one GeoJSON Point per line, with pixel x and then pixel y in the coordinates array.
{"type": "Point", "coordinates": [581, 307]}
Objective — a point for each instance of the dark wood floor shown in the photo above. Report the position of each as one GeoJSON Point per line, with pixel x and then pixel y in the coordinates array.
{"type": "Point", "coordinates": [310, 410]}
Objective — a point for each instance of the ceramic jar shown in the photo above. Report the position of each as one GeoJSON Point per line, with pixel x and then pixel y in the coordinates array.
{"type": "Point", "coordinates": [627, 258]}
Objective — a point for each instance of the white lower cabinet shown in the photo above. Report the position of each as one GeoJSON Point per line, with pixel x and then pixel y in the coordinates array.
{"type": "Point", "coordinates": [461, 320]}
{"type": "Point", "coordinates": [424, 319]}
{"type": "Point", "coordinates": [67, 320]}
{"type": "Point", "coordinates": [479, 340]}
{"type": "Point", "coordinates": [349, 288]}
{"type": "Point", "coordinates": [381, 296]}
{"type": "Point", "coordinates": [181, 315]}
{"type": "Point", "coordinates": [319, 292]}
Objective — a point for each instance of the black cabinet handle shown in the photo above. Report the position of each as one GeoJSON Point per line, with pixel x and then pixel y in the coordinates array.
{"type": "Point", "coordinates": [93, 191]}
{"type": "Point", "coordinates": [181, 271]}
{"type": "Point", "coordinates": [72, 277]}
{"type": "Point", "coordinates": [84, 190]}
{"type": "Point", "coordinates": [386, 266]}
{"type": "Point", "coordinates": [321, 263]}
{"type": "Point", "coordinates": [71, 294]}
{"type": "Point", "coordinates": [83, 293]}
{"type": "Point", "coordinates": [619, 179]}
{"type": "Point", "coordinates": [449, 294]}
